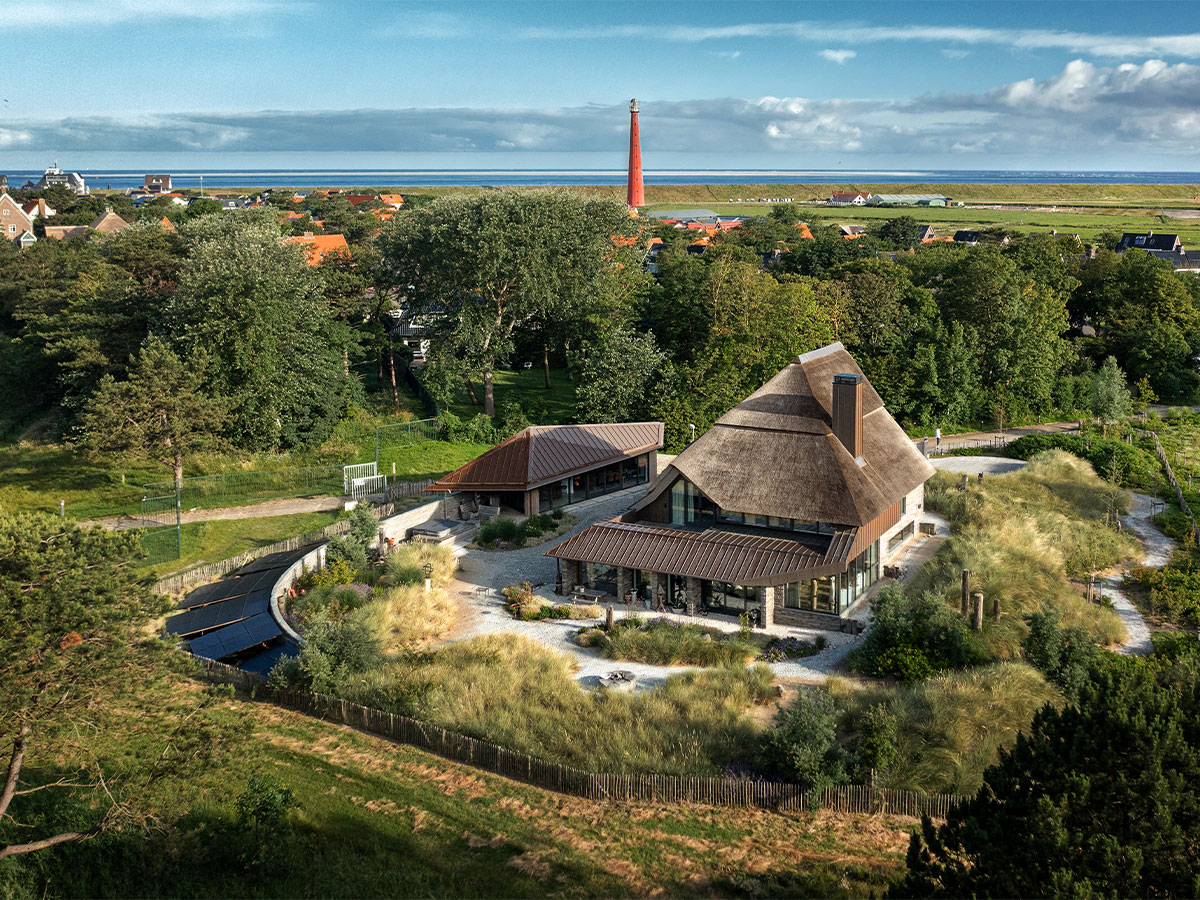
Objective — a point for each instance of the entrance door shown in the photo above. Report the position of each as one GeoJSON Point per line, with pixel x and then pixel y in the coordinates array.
{"type": "Point", "coordinates": [676, 592]}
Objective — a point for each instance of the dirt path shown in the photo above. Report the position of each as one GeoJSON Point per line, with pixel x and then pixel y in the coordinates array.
{"type": "Point", "coordinates": [266, 509]}
{"type": "Point", "coordinates": [1158, 548]}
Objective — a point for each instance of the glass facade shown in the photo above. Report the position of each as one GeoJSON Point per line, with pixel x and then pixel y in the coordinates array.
{"type": "Point", "coordinates": [599, 577]}
{"type": "Point", "coordinates": [596, 483]}
{"type": "Point", "coordinates": [731, 599]}
{"type": "Point", "coordinates": [836, 593]}
{"type": "Point", "coordinates": [900, 536]}
{"type": "Point", "coordinates": [689, 505]}
{"type": "Point", "coordinates": [779, 524]}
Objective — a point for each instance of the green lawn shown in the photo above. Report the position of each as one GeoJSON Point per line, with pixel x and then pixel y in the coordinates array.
{"type": "Point", "coordinates": [205, 542]}
{"type": "Point", "coordinates": [379, 819]}
{"type": "Point", "coordinates": [553, 406]}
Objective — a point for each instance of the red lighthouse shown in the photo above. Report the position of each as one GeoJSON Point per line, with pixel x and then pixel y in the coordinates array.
{"type": "Point", "coordinates": [635, 195]}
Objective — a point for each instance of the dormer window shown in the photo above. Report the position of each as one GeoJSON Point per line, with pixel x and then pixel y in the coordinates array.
{"type": "Point", "coordinates": [1140, 240]}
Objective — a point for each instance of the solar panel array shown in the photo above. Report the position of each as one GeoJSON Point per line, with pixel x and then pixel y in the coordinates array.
{"type": "Point", "coordinates": [236, 637]}
{"type": "Point", "coordinates": [233, 615]}
{"type": "Point", "coordinates": [263, 663]}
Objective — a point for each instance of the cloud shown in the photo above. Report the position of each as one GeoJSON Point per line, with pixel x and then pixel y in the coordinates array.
{"type": "Point", "coordinates": [841, 57]}
{"type": "Point", "coordinates": [1183, 44]}
{"type": "Point", "coordinates": [42, 14]}
{"type": "Point", "coordinates": [956, 54]}
{"type": "Point", "coordinates": [1127, 111]}
{"type": "Point", "coordinates": [727, 54]}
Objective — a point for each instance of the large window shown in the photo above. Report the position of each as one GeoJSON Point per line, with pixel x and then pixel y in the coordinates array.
{"type": "Point", "coordinates": [600, 577]}
{"type": "Point", "coordinates": [838, 592]}
{"type": "Point", "coordinates": [774, 522]}
{"type": "Point", "coordinates": [689, 505]}
{"type": "Point", "coordinates": [732, 599]}
{"type": "Point", "coordinates": [900, 537]}
{"type": "Point", "coordinates": [552, 496]}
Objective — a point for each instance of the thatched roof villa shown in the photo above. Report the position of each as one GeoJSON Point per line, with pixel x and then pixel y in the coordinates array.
{"type": "Point", "coordinates": [787, 507]}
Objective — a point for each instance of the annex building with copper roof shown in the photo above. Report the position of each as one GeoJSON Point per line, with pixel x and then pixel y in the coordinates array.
{"type": "Point", "coordinates": [787, 508]}
{"type": "Point", "coordinates": [544, 467]}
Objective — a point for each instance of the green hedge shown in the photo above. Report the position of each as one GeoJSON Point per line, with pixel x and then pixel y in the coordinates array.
{"type": "Point", "coordinates": [1138, 467]}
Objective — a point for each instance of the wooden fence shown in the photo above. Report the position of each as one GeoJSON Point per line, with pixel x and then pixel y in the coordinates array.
{"type": "Point", "coordinates": [551, 776]}
{"type": "Point", "coordinates": [1183, 504]}
{"type": "Point", "coordinates": [201, 574]}
{"type": "Point", "coordinates": [399, 490]}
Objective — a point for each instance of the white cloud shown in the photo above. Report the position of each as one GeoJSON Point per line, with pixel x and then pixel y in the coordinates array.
{"type": "Point", "coordinates": [1122, 112]}
{"type": "Point", "coordinates": [841, 57]}
{"type": "Point", "coordinates": [955, 54]}
{"type": "Point", "coordinates": [727, 54]}
{"type": "Point", "coordinates": [1183, 44]}
{"type": "Point", "coordinates": [39, 14]}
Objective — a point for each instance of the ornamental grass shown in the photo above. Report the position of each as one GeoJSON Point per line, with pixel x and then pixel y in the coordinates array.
{"type": "Point", "coordinates": [664, 642]}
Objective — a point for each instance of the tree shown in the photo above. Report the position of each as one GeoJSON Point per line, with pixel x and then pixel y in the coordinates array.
{"type": "Point", "coordinates": [160, 412]}
{"type": "Point", "coordinates": [256, 309]}
{"type": "Point", "coordinates": [73, 615]}
{"type": "Point", "coordinates": [616, 377]}
{"type": "Point", "coordinates": [903, 231]}
{"type": "Point", "coordinates": [1110, 396]}
{"type": "Point", "coordinates": [478, 267]}
{"type": "Point", "coordinates": [1097, 800]}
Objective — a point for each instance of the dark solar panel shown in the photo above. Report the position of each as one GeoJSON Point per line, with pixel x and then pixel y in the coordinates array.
{"type": "Point", "coordinates": [215, 592]}
{"type": "Point", "coordinates": [235, 638]}
{"type": "Point", "coordinates": [279, 560]}
{"type": "Point", "coordinates": [205, 618]}
{"type": "Point", "coordinates": [263, 663]}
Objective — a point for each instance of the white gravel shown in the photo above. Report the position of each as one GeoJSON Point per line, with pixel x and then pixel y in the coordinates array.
{"type": "Point", "coordinates": [1158, 548]}
{"type": "Point", "coordinates": [973, 465]}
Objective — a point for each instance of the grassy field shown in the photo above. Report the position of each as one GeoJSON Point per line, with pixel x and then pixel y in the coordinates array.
{"type": "Point", "coordinates": [554, 406]}
{"type": "Point", "coordinates": [378, 819]}
{"type": "Point", "coordinates": [205, 542]}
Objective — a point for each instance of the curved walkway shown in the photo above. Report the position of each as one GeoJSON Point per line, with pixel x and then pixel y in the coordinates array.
{"type": "Point", "coordinates": [1158, 548]}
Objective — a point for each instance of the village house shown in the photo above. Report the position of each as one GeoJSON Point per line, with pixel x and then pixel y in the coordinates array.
{"type": "Point", "coordinates": [848, 198]}
{"type": "Point", "coordinates": [157, 184]}
{"type": "Point", "coordinates": [318, 246]}
{"type": "Point", "coordinates": [14, 221]}
{"type": "Point", "coordinates": [1163, 243]}
{"type": "Point", "coordinates": [786, 509]}
{"type": "Point", "coordinates": [545, 467]}
{"type": "Point", "coordinates": [54, 175]}
{"type": "Point", "coordinates": [107, 222]}
{"type": "Point", "coordinates": [38, 207]}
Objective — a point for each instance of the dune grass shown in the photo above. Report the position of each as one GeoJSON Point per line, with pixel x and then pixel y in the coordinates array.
{"type": "Point", "coordinates": [401, 612]}
{"type": "Point", "coordinates": [1023, 536]}
{"type": "Point", "coordinates": [515, 692]}
{"type": "Point", "coordinates": [666, 643]}
{"type": "Point", "coordinates": [950, 728]}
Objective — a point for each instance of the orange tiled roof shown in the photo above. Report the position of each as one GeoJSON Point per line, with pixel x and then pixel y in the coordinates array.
{"type": "Point", "coordinates": [393, 200]}
{"type": "Point", "coordinates": [167, 225]}
{"type": "Point", "coordinates": [317, 246]}
{"type": "Point", "coordinates": [383, 215]}
{"type": "Point", "coordinates": [805, 231]}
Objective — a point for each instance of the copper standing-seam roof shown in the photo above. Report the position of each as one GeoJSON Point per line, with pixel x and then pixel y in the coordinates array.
{"type": "Point", "coordinates": [775, 454]}
{"type": "Point", "coordinates": [714, 554]}
{"type": "Point", "coordinates": [544, 453]}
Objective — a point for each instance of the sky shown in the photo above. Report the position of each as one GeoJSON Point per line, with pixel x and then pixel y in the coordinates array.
{"type": "Point", "coordinates": [751, 85]}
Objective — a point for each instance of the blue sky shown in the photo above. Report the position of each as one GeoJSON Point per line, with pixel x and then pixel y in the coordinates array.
{"type": "Point", "coordinates": [375, 83]}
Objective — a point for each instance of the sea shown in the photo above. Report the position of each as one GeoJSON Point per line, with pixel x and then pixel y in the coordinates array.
{"type": "Point", "coordinates": [322, 178]}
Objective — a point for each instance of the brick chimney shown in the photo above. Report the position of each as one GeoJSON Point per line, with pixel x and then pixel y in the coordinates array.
{"type": "Point", "coordinates": [848, 412]}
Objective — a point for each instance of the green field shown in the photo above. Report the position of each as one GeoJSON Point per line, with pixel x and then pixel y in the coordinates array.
{"type": "Point", "coordinates": [378, 819]}
{"type": "Point", "coordinates": [553, 406]}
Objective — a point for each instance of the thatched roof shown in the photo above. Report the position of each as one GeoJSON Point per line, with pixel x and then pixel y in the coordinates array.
{"type": "Point", "coordinates": [544, 453]}
{"type": "Point", "coordinates": [775, 453]}
{"type": "Point", "coordinates": [716, 554]}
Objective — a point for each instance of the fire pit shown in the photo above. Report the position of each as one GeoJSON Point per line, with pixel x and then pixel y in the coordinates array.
{"type": "Point", "coordinates": [619, 680]}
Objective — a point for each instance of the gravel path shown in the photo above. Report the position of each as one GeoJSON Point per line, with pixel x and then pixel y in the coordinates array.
{"type": "Point", "coordinates": [1158, 548]}
{"type": "Point", "coordinates": [265, 509]}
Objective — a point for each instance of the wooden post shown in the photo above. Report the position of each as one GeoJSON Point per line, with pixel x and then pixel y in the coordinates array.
{"type": "Point", "coordinates": [966, 589]}
{"type": "Point", "coordinates": [996, 607]}
{"type": "Point", "coordinates": [981, 478]}
{"type": "Point", "coordinates": [608, 619]}
{"type": "Point", "coordinates": [963, 485]}
{"type": "Point", "coordinates": [978, 623]}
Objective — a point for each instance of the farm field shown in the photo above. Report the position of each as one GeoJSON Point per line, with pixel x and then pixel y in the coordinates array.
{"type": "Point", "coordinates": [379, 819]}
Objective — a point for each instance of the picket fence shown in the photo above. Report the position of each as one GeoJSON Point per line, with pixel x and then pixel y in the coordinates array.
{"type": "Point", "coordinates": [774, 795]}
{"type": "Point", "coordinates": [180, 581]}
{"type": "Point", "coordinates": [1183, 504]}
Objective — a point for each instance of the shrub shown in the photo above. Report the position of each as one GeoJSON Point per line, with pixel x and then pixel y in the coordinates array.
{"type": "Point", "coordinates": [405, 617]}
{"type": "Point", "coordinates": [802, 746]}
{"type": "Point", "coordinates": [364, 527]}
{"type": "Point", "coordinates": [502, 528]}
{"type": "Point", "coordinates": [557, 515]}
{"type": "Point", "coordinates": [262, 813]}
{"type": "Point", "coordinates": [405, 563]}
{"type": "Point", "coordinates": [338, 572]}
{"type": "Point", "coordinates": [1173, 591]}
{"type": "Point", "coordinates": [1138, 467]}
{"type": "Point", "coordinates": [779, 649]}
{"type": "Point", "coordinates": [912, 636]}
{"type": "Point", "coordinates": [1064, 655]}
{"type": "Point", "coordinates": [346, 549]}
{"type": "Point", "coordinates": [329, 602]}
{"type": "Point", "coordinates": [332, 651]}
{"type": "Point", "coordinates": [1175, 644]}
{"type": "Point", "coordinates": [876, 747]}
{"type": "Point", "coordinates": [523, 603]}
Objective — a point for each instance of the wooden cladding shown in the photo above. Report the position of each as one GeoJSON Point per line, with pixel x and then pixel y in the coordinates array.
{"type": "Point", "coordinates": [873, 530]}
{"type": "Point", "coordinates": [848, 412]}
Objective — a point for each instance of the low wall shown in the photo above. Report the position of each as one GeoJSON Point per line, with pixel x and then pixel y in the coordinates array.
{"type": "Point", "coordinates": [396, 527]}
{"type": "Point", "coordinates": [552, 776]}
